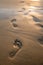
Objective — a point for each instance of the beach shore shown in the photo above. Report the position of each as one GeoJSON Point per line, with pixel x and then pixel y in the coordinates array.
{"type": "Point", "coordinates": [28, 30]}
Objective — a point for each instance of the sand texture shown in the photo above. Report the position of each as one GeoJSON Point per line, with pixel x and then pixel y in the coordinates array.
{"type": "Point", "coordinates": [21, 35]}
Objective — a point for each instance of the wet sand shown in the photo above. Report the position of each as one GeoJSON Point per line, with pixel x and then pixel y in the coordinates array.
{"type": "Point", "coordinates": [28, 31]}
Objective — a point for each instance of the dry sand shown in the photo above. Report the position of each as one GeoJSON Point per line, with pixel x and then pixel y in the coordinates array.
{"type": "Point", "coordinates": [29, 30]}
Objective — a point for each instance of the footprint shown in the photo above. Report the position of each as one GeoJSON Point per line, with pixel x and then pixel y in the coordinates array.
{"type": "Point", "coordinates": [36, 19]}
{"type": "Point", "coordinates": [13, 20]}
{"type": "Point", "coordinates": [12, 53]}
{"type": "Point", "coordinates": [40, 25]}
{"type": "Point", "coordinates": [41, 40]}
{"type": "Point", "coordinates": [15, 25]}
{"type": "Point", "coordinates": [20, 11]}
{"type": "Point", "coordinates": [26, 13]}
{"type": "Point", "coordinates": [18, 43]}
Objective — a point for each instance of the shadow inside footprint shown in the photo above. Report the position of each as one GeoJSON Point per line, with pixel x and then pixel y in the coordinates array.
{"type": "Point", "coordinates": [41, 40]}
{"type": "Point", "coordinates": [20, 11]}
{"type": "Point", "coordinates": [12, 53]}
{"type": "Point", "coordinates": [36, 19]}
{"type": "Point", "coordinates": [40, 25]}
{"type": "Point", "coordinates": [15, 25]}
{"type": "Point", "coordinates": [18, 43]}
{"type": "Point", "coordinates": [13, 20]}
{"type": "Point", "coordinates": [26, 13]}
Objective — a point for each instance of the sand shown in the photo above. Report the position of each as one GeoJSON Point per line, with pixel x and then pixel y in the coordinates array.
{"type": "Point", "coordinates": [28, 29]}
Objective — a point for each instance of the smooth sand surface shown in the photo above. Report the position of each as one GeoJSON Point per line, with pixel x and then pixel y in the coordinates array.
{"type": "Point", "coordinates": [28, 31]}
